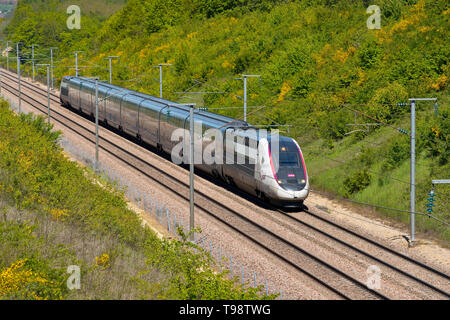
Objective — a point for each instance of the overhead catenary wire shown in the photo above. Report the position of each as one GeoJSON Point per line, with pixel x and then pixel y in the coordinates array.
{"type": "Point", "coordinates": [370, 117]}
{"type": "Point", "coordinates": [371, 171]}
{"type": "Point", "coordinates": [379, 206]}
{"type": "Point", "coordinates": [325, 209]}
{"type": "Point", "coordinates": [231, 108]}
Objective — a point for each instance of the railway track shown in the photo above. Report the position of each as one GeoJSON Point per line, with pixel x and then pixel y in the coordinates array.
{"type": "Point", "coordinates": [334, 228]}
{"type": "Point", "coordinates": [339, 283]}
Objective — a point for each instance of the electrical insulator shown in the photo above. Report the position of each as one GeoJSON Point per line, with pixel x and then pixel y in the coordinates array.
{"type": "Point", "coordinates": [430, 203]}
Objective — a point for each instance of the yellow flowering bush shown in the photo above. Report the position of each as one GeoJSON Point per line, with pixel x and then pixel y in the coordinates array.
{"type": "Point", "coordinates": [18, 280]}
{"type": "Point", "coordinates": [103, 261]}
{"type": "Point", "coordinates": [161, 48]}
{"type": "Point", "coordinates": [285, 89]}
{"type": "Point", "coordinates": [59, 214]}
{"type": "Point", "coordinates": [340, 56]}
{"type": "Point", "coordinates": [191, 35]}
{"type": "Point", "coordinates": [441, 83]}
{"type": "Point", "coordinates": [227, 65]}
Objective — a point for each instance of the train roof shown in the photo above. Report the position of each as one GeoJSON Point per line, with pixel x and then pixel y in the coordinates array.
{"type": "Point", "coordinates": [256, 134]}
{"type": "Point", "coordinates": [228, 121]}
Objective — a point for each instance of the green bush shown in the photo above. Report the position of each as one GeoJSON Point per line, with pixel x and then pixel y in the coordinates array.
{"type": "Point", "coordinates": [333, 125]}
{"type": "Point", "coordinates": [398, 151]}
{"type": "Point", "coordinates": [434, 136]}
{"type": "Point", "coordinates": [369, 54]}
{"type": "Point", "coordinates": [357, 181]}
{"type": "Point", "coordinates": [383, 104]}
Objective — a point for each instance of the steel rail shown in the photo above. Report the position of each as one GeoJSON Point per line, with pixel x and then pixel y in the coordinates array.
{"type": "Point", "coordinates": [235, 213]}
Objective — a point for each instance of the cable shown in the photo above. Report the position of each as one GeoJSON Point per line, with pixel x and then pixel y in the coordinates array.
{"type": "Point", "coordinates": [380, 207]}
{"type": "Point", "coordinates": [321, 207]}
{"type": "Point", "coordinates": [370, 117]}
{"type": "Point", "coordinates": [379, 174]}
{"type": "Point", "coordinates": [381, 104]}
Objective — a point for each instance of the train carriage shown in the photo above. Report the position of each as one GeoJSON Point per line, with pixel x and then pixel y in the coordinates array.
{"type": "Point", "coordinates": [281, 179]}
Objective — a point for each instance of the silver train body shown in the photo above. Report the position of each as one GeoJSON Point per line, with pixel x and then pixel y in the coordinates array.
{"type": "Point", "coordinates": [153, 120]}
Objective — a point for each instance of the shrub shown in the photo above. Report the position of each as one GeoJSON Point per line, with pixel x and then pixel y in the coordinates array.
{"type": "Point", "coordinates": [357, 182]}
{"type": "Point", "coordinates": [368, 156]}
{"type": "Point", "coordinates": [333, 125]}
{"type": "Point", "coordinates": [18, 281]}
{"type": "Point", "coordinates": [369, 54]}
{"type": "Point", "coordinates": [434, 136]}
{"type": "Point", "coordinates": [391, 8]}
{"type": "Point", "coordinates": [383, 104]}
{"type": "Point", "coordinates": [398, 151]}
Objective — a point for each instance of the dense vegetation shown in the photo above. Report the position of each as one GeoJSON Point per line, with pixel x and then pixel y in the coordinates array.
{"type": "Point", "coordinates": [313, 56]}
{"type": "Point", "coordinates": [45, 228]}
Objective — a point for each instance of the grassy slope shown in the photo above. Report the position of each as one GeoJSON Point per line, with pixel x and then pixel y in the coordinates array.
{"type": "Point", "coordinates": [312, 56]}
{"type": "Point", "coordinates": [44, 228]}
{"type": "Point", "coordinates": [96, 10]}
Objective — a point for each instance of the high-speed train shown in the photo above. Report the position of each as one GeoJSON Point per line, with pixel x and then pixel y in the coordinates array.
{"type": "Point", "coordinates": [281, 180]}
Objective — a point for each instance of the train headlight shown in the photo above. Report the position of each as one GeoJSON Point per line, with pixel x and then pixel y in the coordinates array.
{"type": "Point", "coordinates": [303, 180]}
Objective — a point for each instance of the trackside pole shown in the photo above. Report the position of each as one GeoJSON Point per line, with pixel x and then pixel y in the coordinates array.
{"type": "Point", "coordinates": [7, 55]}
{"type": "Point", "coordinates": [245, 78]}
{"type": "Point", "coordinates": [413, 170]}
{"type": "Point", "coordinates": [48, 92]}
{"type": "Point", "coordinates": [32, 58]}
{"type": "Point", "coordinates": [18, 76]}
{"type": "Point", "coordinates": [51, 66]}
{"type": "Point", "coordinates": [110, 67]}
{"type": "Point", "coordinates": [245, 97]}
{"type": "Point", "coordinates": [96, 124]}
{"type": "Point", "coordinates": [191, 168]}
{"type": "Point", "coordinates": [413, 165]}
{"type": "Point", "coordinates": [76, 62]}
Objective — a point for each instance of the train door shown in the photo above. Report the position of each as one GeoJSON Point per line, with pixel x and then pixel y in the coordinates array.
{"type": "Point", "coordinates": [79, 96]}
{"type": "Point", "coordinates": [113, 108]}
{"type": "Point", "coordinates": [129, 113]}
{"type": "Point", "coordinates": [122, 98]}
{"type": "Point", "coordinates": [149, 122]}
{"type": "Point", "coordinates": [247, 171]}
{"type": "Point", "coordinates": [160, 118]}
{"type": "Point", "coordinates": [258, 167]}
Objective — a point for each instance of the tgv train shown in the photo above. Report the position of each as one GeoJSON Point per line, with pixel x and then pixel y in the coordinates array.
{"type": "Point", "coordinates": [280, 180]}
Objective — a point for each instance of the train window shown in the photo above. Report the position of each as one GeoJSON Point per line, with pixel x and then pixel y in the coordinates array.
{"type": "Point", "coordinates": [174, 116]}
{"type": "Point", "coordinates": [149, 109]}
{"type": "Point", "coordinates": [250, 165]}
{"type": "Point", "coordinates": [289, 159]}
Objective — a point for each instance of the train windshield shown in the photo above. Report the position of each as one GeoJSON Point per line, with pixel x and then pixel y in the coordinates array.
{"type": "Point", "coordinates": [290, 159]}
{"type": "Point", "coordinates": [288, 164]}
{"type": "Point", "coordinates": [288, 155]}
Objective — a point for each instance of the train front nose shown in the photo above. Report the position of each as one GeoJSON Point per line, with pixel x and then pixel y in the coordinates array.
{"type": "Point", "coordinates": [291, 179]}
{"type": "Point", "coordinates": [291, 175]}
